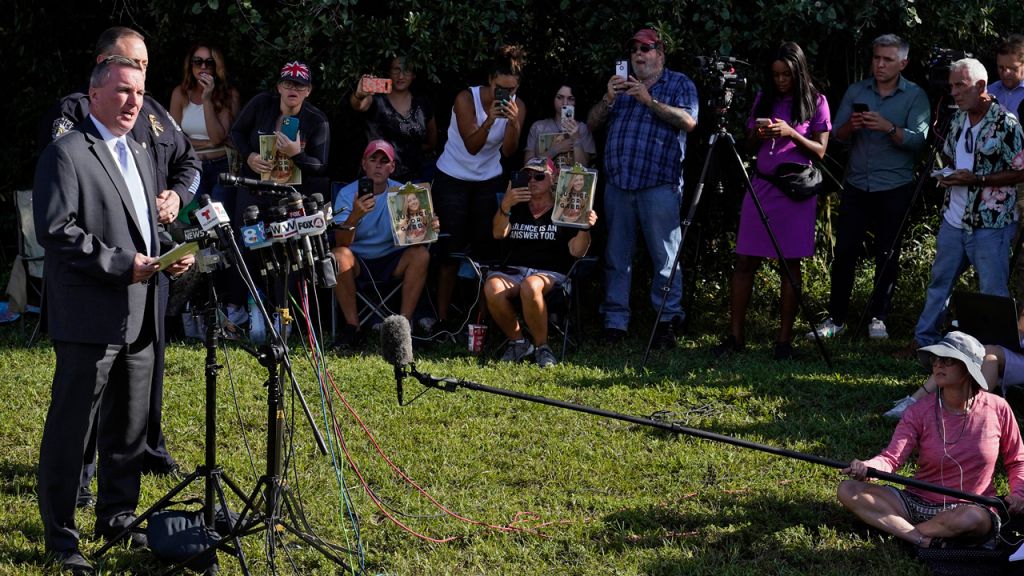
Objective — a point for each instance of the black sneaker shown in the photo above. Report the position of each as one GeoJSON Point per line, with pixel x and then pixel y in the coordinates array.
{"type": "Point", "coordinates": [613, 336]}
{"type": "Point", "coordinates": [665, 336]}
{"type": "Point", "coordinates": [349, 338]}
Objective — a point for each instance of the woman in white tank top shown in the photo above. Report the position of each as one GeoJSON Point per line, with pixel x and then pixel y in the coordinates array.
{"type": "Point", "coordinates": [486, 124]}
{"type": "Point", "coordinates": [205, 105]}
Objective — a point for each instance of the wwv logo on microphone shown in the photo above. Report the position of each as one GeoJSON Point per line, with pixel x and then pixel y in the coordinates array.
{"type": "Point", "coordinates": [283, 230]}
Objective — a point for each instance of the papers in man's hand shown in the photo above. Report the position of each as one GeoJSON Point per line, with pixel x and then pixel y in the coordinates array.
{"type": "Point", "coordinates": [943, 173]}
{"type": "Point", "coordinates": [177, 253]}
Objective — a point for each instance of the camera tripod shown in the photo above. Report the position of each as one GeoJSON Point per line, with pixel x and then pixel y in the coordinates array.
{"type": "Point", "coordinates": [270, 502]}
{"type": "Point", "coordinates": [722, 139]}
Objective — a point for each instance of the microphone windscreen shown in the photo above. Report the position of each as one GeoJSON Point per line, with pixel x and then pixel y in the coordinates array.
{"type": "Point", "coordinates": [396, 340]}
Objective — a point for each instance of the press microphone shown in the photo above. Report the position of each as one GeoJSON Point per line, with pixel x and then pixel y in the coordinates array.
{"type": "Point", "coordinates": [304, 226]}
{"type": "Point", "coordinates": [253, 183]}
{"type": "Point", "coordinates": [325, 207]}
{"type": "Point", "coordinates": [211, 215]}
{"type": "Point", "coordinates": [254, 237]}
{"type": "Point", "coordinates": [283, 231]}
{"type": "Point", "coordinates": [396, 347]}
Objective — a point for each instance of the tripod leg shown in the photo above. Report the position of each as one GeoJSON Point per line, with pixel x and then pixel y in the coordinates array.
{"type": "Point", "coordinates": [684, 229]}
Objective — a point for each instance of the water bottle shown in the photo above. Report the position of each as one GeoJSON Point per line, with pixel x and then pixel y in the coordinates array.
{"type": "Point", "coordinates": [257, 329]}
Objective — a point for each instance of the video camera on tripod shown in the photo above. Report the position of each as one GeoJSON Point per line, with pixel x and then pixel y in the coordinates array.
{"type": "Point", "coordinates": [720, 78]}
{"type": "Point", "coordinates": [939, 65]}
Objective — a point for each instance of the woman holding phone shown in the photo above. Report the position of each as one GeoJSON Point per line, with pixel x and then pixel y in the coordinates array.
{"type": "Point", "coordinates": [790, 123]}
{"type": "Point", "coordinates": [301, 133]}
{"type": "Point", "coordinates": [204, 105]}
{"type": "Point", "coordinates": [578, 147]}
{"type": "Point", "coordinates": [403, 118]}
{"type": "Point", "coordinates": [485, 125]}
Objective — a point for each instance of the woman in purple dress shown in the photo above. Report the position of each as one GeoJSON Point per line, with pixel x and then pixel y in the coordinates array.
{"type": "Point", "coordinates": [790, 122]}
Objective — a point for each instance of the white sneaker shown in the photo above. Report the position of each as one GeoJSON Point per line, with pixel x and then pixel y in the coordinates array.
{"type": "Point", "coordinates": [896, 412]}
{"type": "Point", "coordinates": [877, 331]}
{"type": "Point", "coordinates": [827, 329]}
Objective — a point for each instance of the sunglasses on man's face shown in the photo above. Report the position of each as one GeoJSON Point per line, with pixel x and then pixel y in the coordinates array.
{"type": "Point", "coordinates": [201, 62]}
{"type": "Point", "coordinates": [645, 48]}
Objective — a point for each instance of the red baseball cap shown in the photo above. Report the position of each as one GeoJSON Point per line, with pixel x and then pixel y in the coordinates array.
{"type": "Point", "coordinates": [645, 36]}
{"type": "Point", "coordinates": [380, 146]}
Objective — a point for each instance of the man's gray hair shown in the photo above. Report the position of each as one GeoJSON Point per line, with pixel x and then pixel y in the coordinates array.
{"type": "Point", "coordinates": [975, 70]}
{"type": "Point", "coordinates": [101, 72]}
{"type": "Point", "coordinates": [893, 41]}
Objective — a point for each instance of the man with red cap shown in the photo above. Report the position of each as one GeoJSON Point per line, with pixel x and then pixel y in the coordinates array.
{"type": "Point", "coordinates": [364, 229]}
{"type": "Point", "coordinates": [648, 114]}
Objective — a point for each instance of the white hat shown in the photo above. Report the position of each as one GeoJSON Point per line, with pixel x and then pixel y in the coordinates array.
{"type": "Point", "coordinates": [962, 347]}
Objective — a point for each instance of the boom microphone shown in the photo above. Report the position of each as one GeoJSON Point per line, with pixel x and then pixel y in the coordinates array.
{"type": "Point", "coordinates": [396, 347]}
{"type": "Point", "coordinates": [253, 183]}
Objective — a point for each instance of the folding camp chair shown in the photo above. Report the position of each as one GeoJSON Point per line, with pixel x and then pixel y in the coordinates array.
{"type": "Point", "coordinates": [25, 288]}
{"type": "Point", "coordinates": [564, 317]}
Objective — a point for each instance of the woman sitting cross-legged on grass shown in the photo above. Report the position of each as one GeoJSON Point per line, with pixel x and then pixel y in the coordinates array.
{"type": "Point", "coordinates": [959, 433]}
{"type": "Point", "coordinates": [540, 255]}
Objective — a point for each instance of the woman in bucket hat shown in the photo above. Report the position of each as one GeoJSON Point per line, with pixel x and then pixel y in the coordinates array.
{"type": "Point", "coordinates": [958, 432]}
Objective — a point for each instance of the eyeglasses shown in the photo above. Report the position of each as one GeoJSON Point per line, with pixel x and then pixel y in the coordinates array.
{"type": "Point", "coordinates": [645, 48]}
{"type": "Point", "coordinates": [289, 85]}
{"type": "Point", "coordinates": [396, 71]}
{"type": "Point", "coordinates": [942, 360]}
{"type": "Point", "coordinates": [201, 62]}
{"type": "Point", "coordinates": [969, 141]}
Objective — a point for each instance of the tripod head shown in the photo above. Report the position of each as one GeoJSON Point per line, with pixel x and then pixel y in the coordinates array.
{"type": "Point", "coordinates": [720, 79]}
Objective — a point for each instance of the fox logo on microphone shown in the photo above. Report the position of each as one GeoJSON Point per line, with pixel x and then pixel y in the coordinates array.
{"type": "Point", "coordinates": [311, 225]}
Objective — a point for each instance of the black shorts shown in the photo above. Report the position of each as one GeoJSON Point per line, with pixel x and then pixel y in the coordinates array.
{"type": "Point", "coordinates": [466, 210]}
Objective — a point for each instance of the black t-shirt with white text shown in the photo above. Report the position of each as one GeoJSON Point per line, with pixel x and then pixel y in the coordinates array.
{"type": "Point", "coordinates": [538, 243]}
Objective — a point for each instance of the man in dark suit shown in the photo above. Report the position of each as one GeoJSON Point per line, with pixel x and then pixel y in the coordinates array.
{"type": "Point", "coordinates": [96, 214]}
{"type": "Point", "coordinates": [177, 177]}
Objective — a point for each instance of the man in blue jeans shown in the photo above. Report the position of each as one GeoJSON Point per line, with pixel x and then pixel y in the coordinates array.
{"type": "Point", "coordinates": [985, 145]}
{"type": "Point", "coordinates": [648, 114]}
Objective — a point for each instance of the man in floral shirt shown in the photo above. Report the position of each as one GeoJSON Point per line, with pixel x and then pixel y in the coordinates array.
{"type": "Point", "coordinates": [985, 146]}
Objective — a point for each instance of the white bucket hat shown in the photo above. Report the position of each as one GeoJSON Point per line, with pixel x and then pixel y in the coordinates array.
{"type": "Point", "coordinates": [962, 347]}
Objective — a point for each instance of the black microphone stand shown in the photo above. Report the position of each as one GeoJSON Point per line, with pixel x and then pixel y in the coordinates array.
{"type": "Point", "coordinates": [277, 499]}
{"type": "Point", "coordinates": [210, 472]}
{"type": "Point", "coordinates": [453, 384]}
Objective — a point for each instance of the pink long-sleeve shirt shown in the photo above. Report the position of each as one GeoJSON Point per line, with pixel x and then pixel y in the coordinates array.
{"type": "Point", "coordinates": [969, 460]}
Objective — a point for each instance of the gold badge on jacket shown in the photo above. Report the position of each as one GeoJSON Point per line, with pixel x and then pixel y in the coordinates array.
{"type": "Point", "coordinates": [155, 125]}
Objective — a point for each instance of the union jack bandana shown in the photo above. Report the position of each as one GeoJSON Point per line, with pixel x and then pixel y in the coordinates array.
{"type": "Point", "coordinates": [296, 72]}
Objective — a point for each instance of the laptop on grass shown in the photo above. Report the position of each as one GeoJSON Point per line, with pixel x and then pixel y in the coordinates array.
{"type": "Point", "coordinates": [989, 318]}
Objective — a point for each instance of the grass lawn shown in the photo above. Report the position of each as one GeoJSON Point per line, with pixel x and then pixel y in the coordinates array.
{"type": "Point", "coordinates": [590, 495]}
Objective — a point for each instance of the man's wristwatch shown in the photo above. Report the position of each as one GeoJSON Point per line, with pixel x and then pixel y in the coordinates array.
{"type": "Point", "coordinates": [892, 130]}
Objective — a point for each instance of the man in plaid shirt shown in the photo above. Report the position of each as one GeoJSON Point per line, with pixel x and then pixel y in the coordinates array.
{"type": "Point", "coordinates": [648, 116]}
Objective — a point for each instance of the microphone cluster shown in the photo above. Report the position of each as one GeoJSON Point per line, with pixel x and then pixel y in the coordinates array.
{"type": "Point", "coordinates": [292, 237]}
